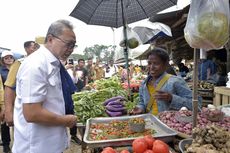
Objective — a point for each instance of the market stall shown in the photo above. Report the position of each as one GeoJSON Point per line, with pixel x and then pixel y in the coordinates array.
{"type": "Point", "coordinates": [107, 98]}
{"type": "Point", "coordinates": [110, 100]}
{"type": "Point", "coordinates": [205, 91]}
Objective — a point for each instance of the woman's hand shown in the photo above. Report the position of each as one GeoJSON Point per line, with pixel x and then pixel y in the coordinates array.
{"type": "Point", "coordinates": [162, 95]}
{"type": "Point", "coordinates": [136, 111]}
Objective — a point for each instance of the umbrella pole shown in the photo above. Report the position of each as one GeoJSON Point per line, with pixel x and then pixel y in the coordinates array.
{"type": "Point", "coordinates": [126, 54]}
{"type": "Point", "coordinates": [195, 82]}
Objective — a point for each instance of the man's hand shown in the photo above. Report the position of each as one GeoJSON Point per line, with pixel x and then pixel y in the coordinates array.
{"type": "Point", "coordinates": [9, 118]}
{"type": "Point", "coordinates": [71, 120]}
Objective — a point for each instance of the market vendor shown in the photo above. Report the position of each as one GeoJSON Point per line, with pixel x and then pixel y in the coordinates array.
{"type": "Point", "coordinates": [161, 91]}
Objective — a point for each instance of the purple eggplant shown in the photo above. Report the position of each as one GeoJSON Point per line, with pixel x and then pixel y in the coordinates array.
{"type": "Point", "coordinates": [113, 99]}
{"type": "Point", "coordinates": [114, 109]}
{"type": "Point", "coordinates": [113, 114]}
{"type": "Point", "coordinates": [116, 106]}
{"type": "Point", "coordinates": [116, 102]}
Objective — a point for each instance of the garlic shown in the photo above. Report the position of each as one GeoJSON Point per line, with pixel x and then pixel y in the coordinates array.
{"type": "Point", "coordinates": [183, 109]}
{"type": "Point", "coordinates": [211, 107]}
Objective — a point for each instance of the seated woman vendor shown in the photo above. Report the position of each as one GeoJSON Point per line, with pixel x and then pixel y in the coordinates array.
{"type": "Point", "coordinates": [161, 91]}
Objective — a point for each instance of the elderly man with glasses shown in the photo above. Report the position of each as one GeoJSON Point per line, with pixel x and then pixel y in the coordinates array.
{"type": "Point", "coordinates": [40, 118]}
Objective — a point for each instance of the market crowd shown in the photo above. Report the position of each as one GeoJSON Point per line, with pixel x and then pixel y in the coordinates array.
{"type": "Point", "coordinates": [31, 89]}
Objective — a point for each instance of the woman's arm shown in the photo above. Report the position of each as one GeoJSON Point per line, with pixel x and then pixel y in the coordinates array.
{"type": "Point", "coordinates": [181, 95]}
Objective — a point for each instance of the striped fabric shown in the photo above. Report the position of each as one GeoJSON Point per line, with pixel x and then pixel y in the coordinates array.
{"type": "Point", "coordinates": [109, 12]}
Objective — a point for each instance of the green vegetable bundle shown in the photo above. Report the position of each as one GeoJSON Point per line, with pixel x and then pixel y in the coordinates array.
{"type": "Point", "coordinates": [107, 83]}
{"type": "Point", "coordinates": [90, 104]}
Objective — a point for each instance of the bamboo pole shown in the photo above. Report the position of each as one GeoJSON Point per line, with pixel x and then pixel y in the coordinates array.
{"type": "Point", "coordinates": [126, 53]}
{"type": "Point", "coordinates": [195, 89]}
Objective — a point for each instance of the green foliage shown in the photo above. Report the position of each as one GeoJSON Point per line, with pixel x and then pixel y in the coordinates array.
{"type": "Point", "coordinates": [102, 52]}
{"type": "Point", "coordinates": [77, 56]}
{"type": "Point", "coordinates": [106, 83]}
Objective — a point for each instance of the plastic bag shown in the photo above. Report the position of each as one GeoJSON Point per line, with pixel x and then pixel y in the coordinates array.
{"type": "Point", "coordinates": [207, 25]}
{"type": "Point", "coordinates": [133, 40]}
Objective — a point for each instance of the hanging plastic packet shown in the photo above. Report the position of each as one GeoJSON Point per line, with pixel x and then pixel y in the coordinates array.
{"type": "Point", "coordinates": [207, 25]}
{"type": "Point", "coordinates": [133, 39]}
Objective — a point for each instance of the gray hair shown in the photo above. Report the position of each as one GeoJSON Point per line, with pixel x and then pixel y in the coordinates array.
{"type": "Point", "coordinates": [57, 27]}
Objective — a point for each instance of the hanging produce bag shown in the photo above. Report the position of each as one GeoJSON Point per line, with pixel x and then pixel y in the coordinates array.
{"type": "Point", "coordinates": [133, 40]}
{"type": "Point", "coordinates": [207, 25]}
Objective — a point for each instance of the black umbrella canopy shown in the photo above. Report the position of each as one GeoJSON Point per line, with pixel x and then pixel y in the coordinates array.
{"type": "Point", "coordinates": [109, 12]}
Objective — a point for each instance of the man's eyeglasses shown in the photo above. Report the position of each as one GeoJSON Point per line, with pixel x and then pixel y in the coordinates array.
{"type": "Point", "coordinates": [70, 45]}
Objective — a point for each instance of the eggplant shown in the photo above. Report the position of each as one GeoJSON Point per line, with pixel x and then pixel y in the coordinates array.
{"type": "Point", "coordinates": [113, 114]}
{"type": "Point", "coordinates": [113, 99]}
{"type": "Point", "coordinates": [116, 106]}
{"type": "Point", "coordinates": [114, 109]}
{"type": "Point", "coordinates": [116, 102]}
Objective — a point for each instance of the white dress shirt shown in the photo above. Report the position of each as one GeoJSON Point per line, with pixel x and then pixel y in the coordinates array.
{"type": "Point", "coordinates": [39, 80]}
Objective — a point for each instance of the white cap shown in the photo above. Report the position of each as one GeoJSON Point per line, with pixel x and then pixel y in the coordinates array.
{"type": "Point", "coordinates": [6, 53]}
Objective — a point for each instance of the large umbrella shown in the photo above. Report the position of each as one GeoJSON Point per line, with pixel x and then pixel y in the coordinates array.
{"type": "Point", "coordinates": [117, 13]}
{"type": "Point", "coordinates": [149, 31]}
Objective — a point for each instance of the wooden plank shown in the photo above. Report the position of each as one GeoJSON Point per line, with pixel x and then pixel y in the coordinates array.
{"type": "Point", "coordinates": [225, 100]}
{"type": "Point", "coordinates": [222, 90]}
{"type": "Point", "coordinates": [205, 102]}
{"type": "Point", "coordinates": [217, 99]}
{"type": "Point", "coordinates": [180, 21]}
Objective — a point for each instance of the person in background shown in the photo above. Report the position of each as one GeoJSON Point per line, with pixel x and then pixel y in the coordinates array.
{"type": "Point", "coordinates": [81, 72]}
{"type": "Point", "coordinates": [7, 60]}
{"type": "Point", "coordinates": [183, 70]}
{"type": "Point", "coordinates": [111, 69]}
{"type": "Point", "coordinates": [39, 111]}
{"type": "Point", "coordinates": [10, 83]}
{"type": "Point", "coordinates": [99, 70]}
{"type": "Point", "coordinates": [170, 70]}
{"type": "Point", "coordinates": [137, 69]}
{"type": "Point", "coordinates": [120, 68]}
{"type": "Point", "coordinates": [161, 91]}
{"type": "Point", "coordinates": [90, 70]}
{"type": "Point", "coordinates": [107, 71]}
{"type": "Point", "coordinates": [206, 68]}
{"type": "Point", "coordinates": [124, 73]}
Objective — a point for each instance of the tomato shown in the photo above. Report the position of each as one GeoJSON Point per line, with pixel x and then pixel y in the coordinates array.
{"type": "Point", "coordinates": [108, 150]}
{"type": "Point", "coordinates": [125, 151]}
{"type": "Point", "coordinates": [148, 151]}
{"type": "Point", "coordinates": [139, 145]}
{"type": "Point", "coordinates": [149, 139]}
{"type": "Point", "coordinates": [160, 147]}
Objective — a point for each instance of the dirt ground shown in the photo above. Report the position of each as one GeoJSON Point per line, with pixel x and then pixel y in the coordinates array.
{"type": "Point", "coordinates": [74, 148]}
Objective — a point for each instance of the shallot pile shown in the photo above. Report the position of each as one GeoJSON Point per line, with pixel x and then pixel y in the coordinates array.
{"type": "Point", "coordinates": [170, 118]}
